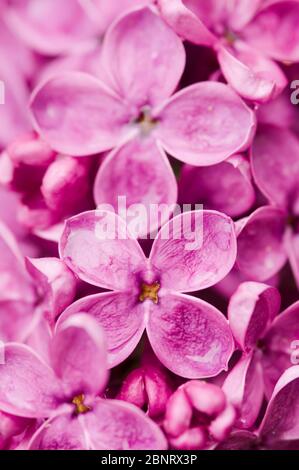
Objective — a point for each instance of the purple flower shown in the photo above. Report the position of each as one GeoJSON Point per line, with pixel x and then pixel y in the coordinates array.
{"type": "Point", "coordinates": [51, 186]}
{"type": "Point", "coordinates": [67, 394]}
{"type": "Point", "coordinates": [198, 415]}
{"type": "Point", "coordinates": [188, 335]}
{"type": "Point", "coordinates": [247, 35]}
{"type": "Point", "coordinates": [225, 187]}
{"type": "Point", "coordinates": [266, 341]}
{"type": "Point", "coordinates": [133, 113]}
{"type": "Point", "coordinates": [279, 428]}
{"type": "Point", "coordinates": [269, 237]}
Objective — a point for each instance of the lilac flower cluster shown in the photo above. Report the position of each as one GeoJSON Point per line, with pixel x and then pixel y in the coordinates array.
{"type": "Point", "coordinates": [123, 331]}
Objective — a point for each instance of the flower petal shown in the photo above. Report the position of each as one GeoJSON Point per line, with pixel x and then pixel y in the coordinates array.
{"type": "Point", "coordinates": [252, 75]}
{"type": "Point", "coordinates": [116, 425]}
{"type": "Point", "coordinates": [274, 31]}
{"type": "Point", "coordinates": [51, 28]}
{"type": "Point", "coordinates": [138, 51]}
{"type": "Point", "coordinates": [275, 163]}
{"type": "Point", "coordinates": [244, 388]}
{"type": "Point", "coordinates": [185, 22]}
{"type": "Point", "coordinates": [150, 181]}
{"type": "Point", "coordinates": [78, 115]}
{"type": "Point", "coordinates": [281, 419]}
{"type": "Point", "coordinates": [28, 387]}
{"type": "Point", "coordinates": [78, 355]}
{"type": "Point", "coordinates": [189, 336]}
{"type": "Point", "coordinates": [225, 187]}
{"type": "Point", "coordinates": [62, 432]}
{"type": "Point", "coordinates": [194, 250]}
{"type": "Point", "coordinates": [119, 314]}
{"type": "Point", "coordinates": [261, 252]}
{"type": "Point", "coordinates": [205, 123]}
{"type": "Point", "coordinates": [96, 245]}
{"type": "Point", "coordinates": [251, 310]}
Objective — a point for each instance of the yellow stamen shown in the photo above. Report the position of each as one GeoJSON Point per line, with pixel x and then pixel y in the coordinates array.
{"type": "Point", "coordinates": [149, 291]}
{"type": "Point", "coordinates": [78, 401]}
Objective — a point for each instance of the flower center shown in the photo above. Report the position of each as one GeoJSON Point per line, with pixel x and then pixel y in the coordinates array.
{"type": "Point", "coordinates": [145, 121]}
{"type": "Point", "coordinates": [230, 37]}
{"type": "Point", "coordinates": [80, 407]}
{"type": "Point", "coordinates": [149, 291]}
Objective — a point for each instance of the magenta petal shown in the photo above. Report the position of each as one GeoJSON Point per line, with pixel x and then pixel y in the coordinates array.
{"type": "Point", "coordinates": [28, 386]}
{"type": "Point", "coordinates": [274, 161]}
{"type": "Point", "coordinates": [185, 22]}
{"type": "Point", "coordinates": [281, 419]}
{"type": "Point", "coordinates": [281, 349]}
{"type": "Point", "coordinates": [244, 388]}
{"type": "Point", "coordinates": [189, 336]}
{"type": "Point", "coordinates": [261, 252]}
{"type": "Point", "coordinates": [78, 355]}
{"type": "Point", "coordinates": [119, 314]}
{"type": "Point", "coordinates": [251, 310]}
{"type": "Point", "coordinates": [63, 432]}
{"type": "Point", "coordinates": [55, 282]}
{"type": "Point", "coordinates": [251, 74]}
{"type": "Point", "coordinates": [139, 52]}
{"type": "Point", "coordinates": [292, 249]}
{"type": "Point", "coordinates": [116, 425]}
{"type": "Point", "coordinates": [194, 250]}
{"type": "Point", "coordinates": [78, 115]}
{"type": "Point", "coordinates": [274, 31]}
{"type": "Point", "coordinates": [96, 245]}
{"type": "Point", "coordinates": [205, 123]}
{"type": "Point", "coordinates": [53, 28]}
{"type": "Point", "coordinates": [225, 187]}
{"type": "Point", "coordinates": [150, 180]}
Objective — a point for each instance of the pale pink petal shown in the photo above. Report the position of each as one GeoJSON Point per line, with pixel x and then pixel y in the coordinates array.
{"type": "Point", "coordinates": [225, 187]}
{"type": "Point", "coordinates": [194, 250]}
{"type": "Point", "coordinates": [96, 245]}
{"type": "Point", "coordinates": [51, 27]}
{"type": "Point", "coordinates": [205, 123]}
{"type": "Point", "coordinates": [251, 310]}
{"type": "Point", "coordinates": [121, 316]}
{"type": "Point", "coordinates": [78, 355]}
{"type": "Point", "coordinates": [251, 74]}
{"type": "Point", "coordinates": [149, 181]}
{"type": "Point", "coordinates": [55, 283]}
{"type": "Point", "coordinates": [275, 163]}
{"type": "Point", "coordinates": [28, 387]}
{"type": "Point", "coordinates": [274, 31]}
{"type": "Point", "coordinates": [139, 53]}
{"type": "Point", "coordinates": [261, 252]}
{"type": "Point", "coordinates": [78, 115]}
{"type": "Point", "coordinates": [240, 12]}
{"type": "Point", "coordinates": [16, 319]}
{"type": "Point", "coordinates": [244, 388]}
{"type": "Point", "coordinates": [63, 432]}
{"type": "Point", "coordinates": [189, 336]}
{"type": "Point", "coordinates": [117, 425]}
{"type": "Point", "coordinates": [281, 420]}
{"type": "Point", "coordinates": [185, 22]}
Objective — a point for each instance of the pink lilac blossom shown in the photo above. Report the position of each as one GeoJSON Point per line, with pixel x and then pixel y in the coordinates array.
{"type": "Point", "coordinates": [127, 320]}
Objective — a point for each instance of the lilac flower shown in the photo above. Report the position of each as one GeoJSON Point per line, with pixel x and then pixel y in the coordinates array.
{"type": "Point", "coordinates": [225, 187]}
{"type": "Point", "coordinates": [266, 342]}
{"type": "Point", "coordinates": [133, 113]}
{"type": "Point", "coordinates": [272, 232]}
{"type": "Point", "coordinates": [44, 289]}
{"type": "Point", "coordinates": [248, 37]}
{"type": "Point", "coordinates": [279, 428]}
{"type": "Point", "coordinates": [67, 394]}
{"type": "Point", "coordinates": [51, 186]}
{"type": "Point", "coordinates": [198, 414]}
{"type": "Point", "coordinates": [188, 335]}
